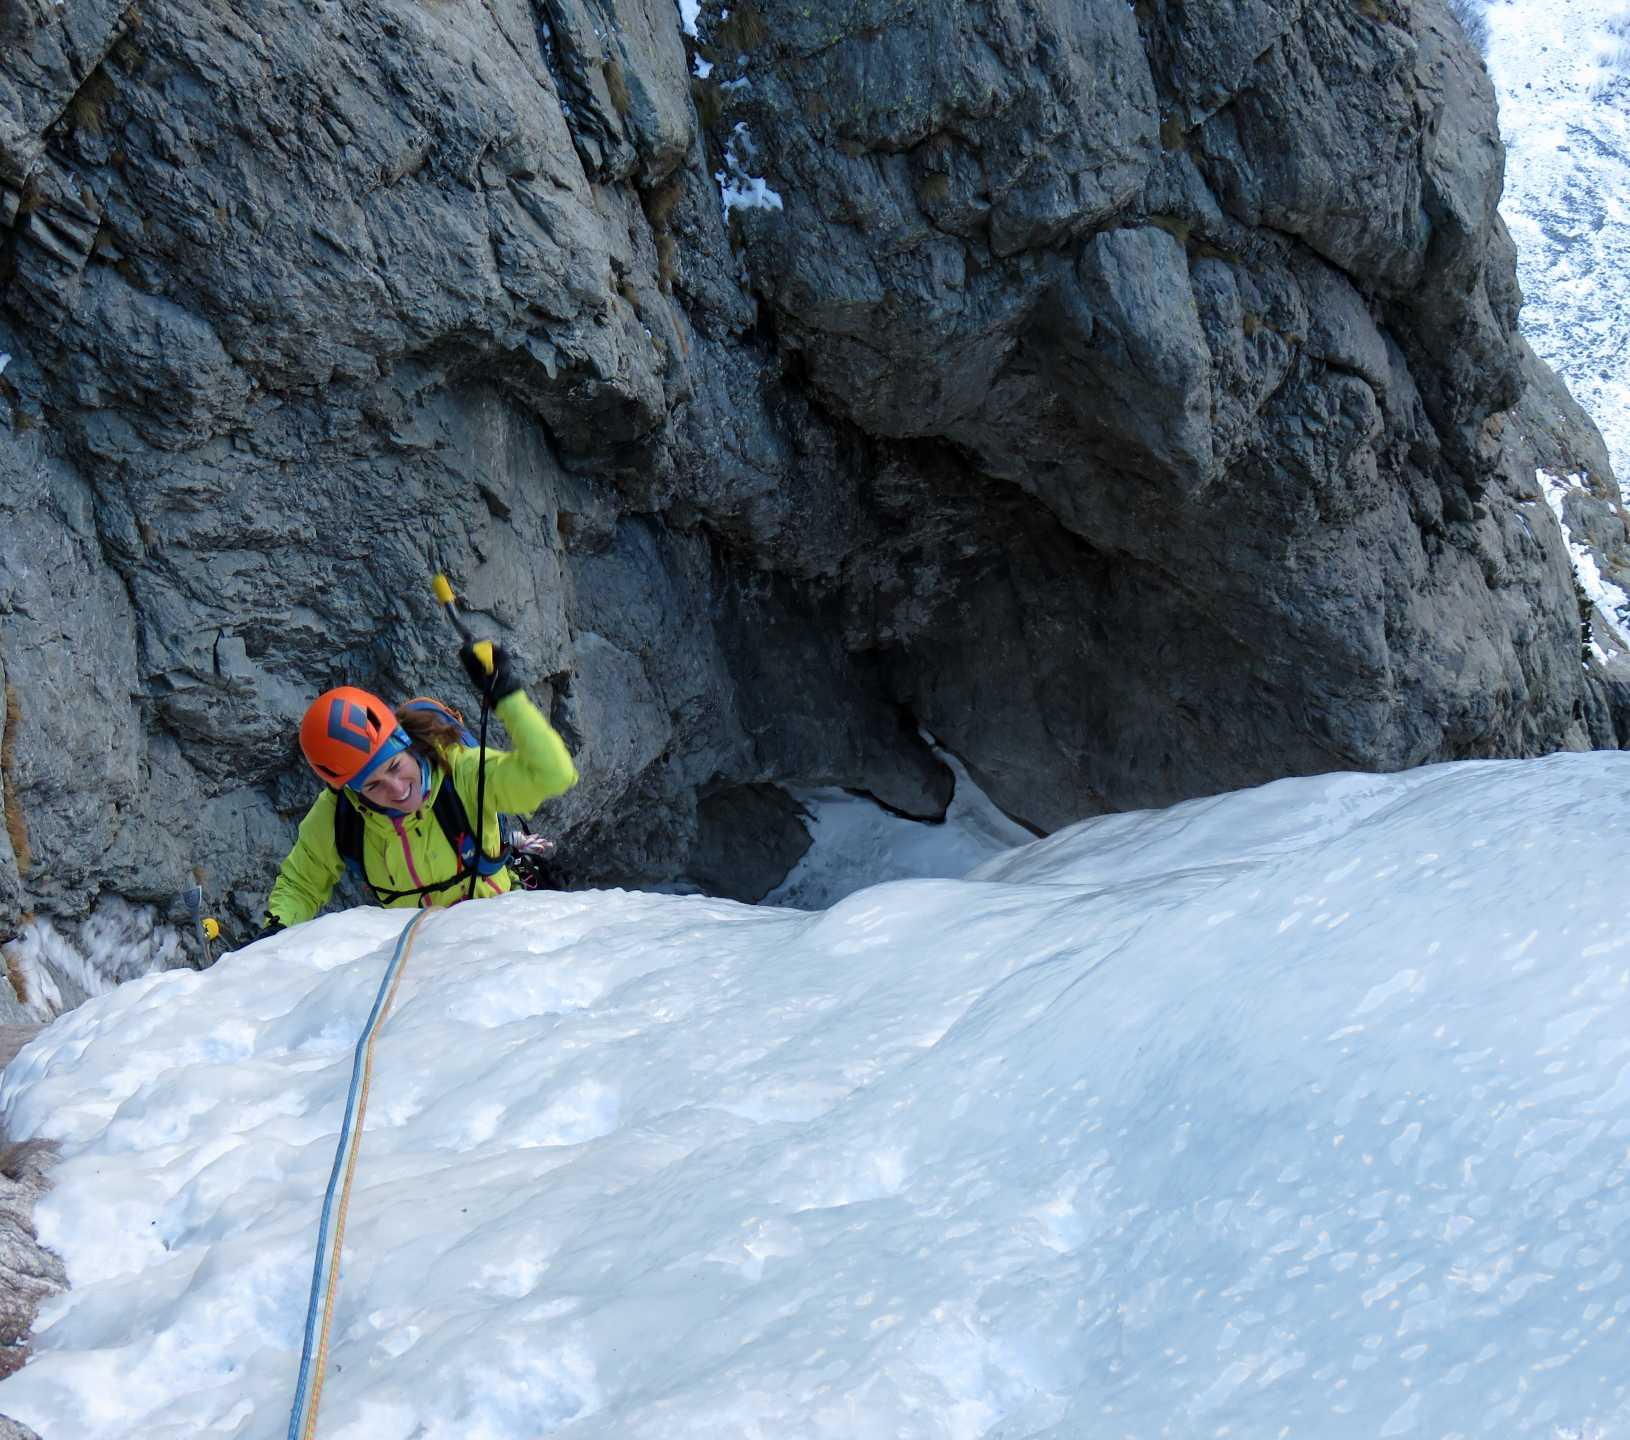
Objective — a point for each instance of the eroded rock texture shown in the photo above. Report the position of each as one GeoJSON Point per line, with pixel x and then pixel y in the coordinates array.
{"type": "Point", "coordinates": [29, 1273]}
{"type": "Point", "coordinates": [1125, 396]}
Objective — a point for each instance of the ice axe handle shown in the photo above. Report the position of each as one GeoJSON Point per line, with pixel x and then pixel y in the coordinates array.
{"type": "Point", "coordinates": [444, 593]}
{"type": "Point", "coordinates": [482, 648]}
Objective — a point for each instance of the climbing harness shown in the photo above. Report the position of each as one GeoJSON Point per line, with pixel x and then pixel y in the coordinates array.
{"type": "Point", "coordinates": [331, 1241]}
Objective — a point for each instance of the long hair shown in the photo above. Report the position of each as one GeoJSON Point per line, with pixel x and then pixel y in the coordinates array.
{"type": "Point", "coordinates": [432, 734]}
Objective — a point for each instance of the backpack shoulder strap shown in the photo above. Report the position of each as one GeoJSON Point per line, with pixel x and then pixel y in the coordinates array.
{"type": "Point", "coordinates": [454, 820]}
{"type": "Point", "coordinates": [348, 837]}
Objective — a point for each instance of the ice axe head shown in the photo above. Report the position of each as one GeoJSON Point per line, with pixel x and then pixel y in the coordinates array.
{"type": "Point", "coordinates": [444, 593]}
{"type": "Point", "coordinates": [483, 648]}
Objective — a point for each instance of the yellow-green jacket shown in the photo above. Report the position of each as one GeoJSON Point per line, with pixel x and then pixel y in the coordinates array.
{"type": "Point", "coordinates": [406, 853]}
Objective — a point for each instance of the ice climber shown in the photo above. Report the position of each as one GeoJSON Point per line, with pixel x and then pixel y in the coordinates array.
{"type": "Point", "coordinates": [401, 786]}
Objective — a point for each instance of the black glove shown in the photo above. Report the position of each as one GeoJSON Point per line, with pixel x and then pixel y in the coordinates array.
{"type": "Point", "coordinates": [491, 687]}
{"type": "Point", "coordinates": [269, 925]}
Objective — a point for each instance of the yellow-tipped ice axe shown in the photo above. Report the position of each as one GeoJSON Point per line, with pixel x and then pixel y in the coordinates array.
{"type": "Point", "coordinates": [482, 650]}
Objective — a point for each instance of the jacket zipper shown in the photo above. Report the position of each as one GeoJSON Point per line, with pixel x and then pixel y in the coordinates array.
{"type": "Point", "coordinates": [407, 854]}
{"type": "Point", "coordinates": [413, 871]}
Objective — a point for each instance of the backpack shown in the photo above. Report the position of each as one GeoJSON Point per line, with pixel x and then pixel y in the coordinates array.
{"type": "Point", "coordinates": [450, 814]}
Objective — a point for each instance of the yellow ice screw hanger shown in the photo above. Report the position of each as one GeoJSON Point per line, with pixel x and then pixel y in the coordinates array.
{"type": "Point", "coordinates": [193, 898]}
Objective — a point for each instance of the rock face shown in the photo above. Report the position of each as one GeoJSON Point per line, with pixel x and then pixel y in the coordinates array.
{"type": "Point", "coordinates": [29, 1273]}
{"type": "Point", "coordinates": [1122, 396]}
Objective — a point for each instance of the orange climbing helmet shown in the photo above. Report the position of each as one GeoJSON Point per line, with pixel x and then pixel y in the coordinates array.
{"type": "Point", "coordinates": [348, 733]}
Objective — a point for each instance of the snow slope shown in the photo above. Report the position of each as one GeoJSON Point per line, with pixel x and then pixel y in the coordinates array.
{"type": "Point", "coordinates": [1297, 1112]}
{"type": "Point", "coordinates": [1562, 72]}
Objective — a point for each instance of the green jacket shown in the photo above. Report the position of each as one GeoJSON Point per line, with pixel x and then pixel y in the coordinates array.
{"type": "Point", "coordinates": [407, 853]}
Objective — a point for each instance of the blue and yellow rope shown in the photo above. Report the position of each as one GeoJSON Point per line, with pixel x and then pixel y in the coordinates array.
{"type": "Point", "coordinates": [326, 1275]}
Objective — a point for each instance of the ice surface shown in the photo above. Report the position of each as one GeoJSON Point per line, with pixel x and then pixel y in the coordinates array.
{"type": "Point", "coordinates": [854, 842]}
{"type": "Point", "coordinates": [53, 966]}
{"type": "Point", "coordinates": [1299, 1112]}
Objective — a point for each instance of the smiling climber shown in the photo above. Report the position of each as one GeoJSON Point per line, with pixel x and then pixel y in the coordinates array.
{"type": "Point", "coordinates": [402, 785]}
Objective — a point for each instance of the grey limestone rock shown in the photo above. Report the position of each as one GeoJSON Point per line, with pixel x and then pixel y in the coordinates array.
{"type": "Point", "coordinates": [748, 838]}
{"type": "Point", "coordinates": [1127, 397]}
{"type": "Point", "coordinates": [29, 1273]}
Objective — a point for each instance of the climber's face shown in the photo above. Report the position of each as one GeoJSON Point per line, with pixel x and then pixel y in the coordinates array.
{"type": "Point", "coordinates": [398, 784]}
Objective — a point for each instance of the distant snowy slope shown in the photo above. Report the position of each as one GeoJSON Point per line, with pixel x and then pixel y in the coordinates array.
{"type": "Point", "coordinates": [1563, 77]}
{"type": "Point", "coordinates": [1299, 1112]}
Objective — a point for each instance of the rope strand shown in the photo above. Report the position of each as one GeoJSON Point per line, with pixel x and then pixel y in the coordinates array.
{"type": "Point", "coordinates": [326, 1273]}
